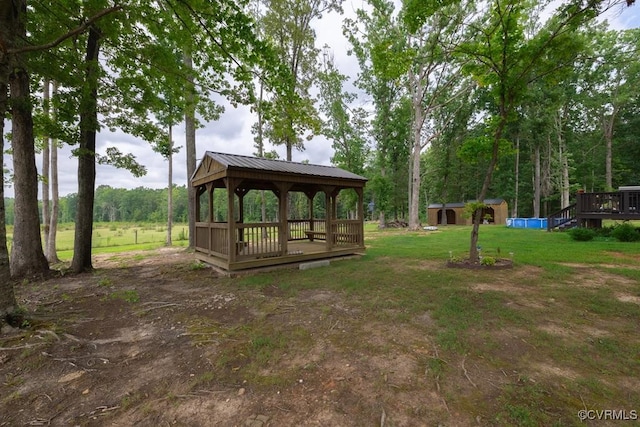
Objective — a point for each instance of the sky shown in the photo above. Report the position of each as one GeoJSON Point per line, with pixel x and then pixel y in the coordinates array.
{"type": "Point", "coordinates": [232, 132]}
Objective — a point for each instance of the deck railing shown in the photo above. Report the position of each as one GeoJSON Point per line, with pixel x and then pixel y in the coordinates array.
{"type": "Point", "coordinates": [622, 202]}
{"type": "Point", "coordinates": [347, 232]}
{"type": "Point", "coordinates": [298, 228]}
{"type": "Point", "coordinates": [213, 238]}
{"type": "Point", "coordinates": [258, 240]}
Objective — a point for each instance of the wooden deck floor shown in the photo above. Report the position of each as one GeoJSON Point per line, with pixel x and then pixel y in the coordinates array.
{"type": "Point", "coordinates": [298, 251]}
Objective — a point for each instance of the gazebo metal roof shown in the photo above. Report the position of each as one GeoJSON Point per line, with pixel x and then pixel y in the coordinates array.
{"type": "Point", "coordinates": [217, 165]}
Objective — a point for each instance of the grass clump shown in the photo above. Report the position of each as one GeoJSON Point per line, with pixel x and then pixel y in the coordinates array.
{"type": "Point", "coordinates": [128, 295]}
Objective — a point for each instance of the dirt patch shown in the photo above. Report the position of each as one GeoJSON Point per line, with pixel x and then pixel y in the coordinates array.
{"type": "Point", "coordinates": [155, 340]}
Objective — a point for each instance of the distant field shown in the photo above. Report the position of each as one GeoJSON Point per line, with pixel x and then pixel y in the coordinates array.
{"type": "Point", "coordinates": [118, 237]}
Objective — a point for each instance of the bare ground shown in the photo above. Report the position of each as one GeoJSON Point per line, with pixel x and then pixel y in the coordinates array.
{"type": "Point", "coordinates": [151, 341]}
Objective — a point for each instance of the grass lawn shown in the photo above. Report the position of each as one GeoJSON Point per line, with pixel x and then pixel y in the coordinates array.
{"type": "Point", "coordinates": [111, 237]}
{"type": "Point", "coordinates": [529, 346]}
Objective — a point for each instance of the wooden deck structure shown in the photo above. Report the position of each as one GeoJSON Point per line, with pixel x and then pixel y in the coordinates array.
{"type": "Point", "coordinates": [236, 245]}
{"type": "Point", "coordinates": [591, 208]}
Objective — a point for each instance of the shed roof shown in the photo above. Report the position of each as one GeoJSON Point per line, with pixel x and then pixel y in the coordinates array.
{"type": "Point", "coordinates": [215, 165]}
{"type": "Point", "coordinates": [460, 205]}
{"type": "Point", "coordinates": [447, 205]}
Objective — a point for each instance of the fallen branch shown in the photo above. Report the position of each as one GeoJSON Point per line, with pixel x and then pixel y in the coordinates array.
{"type": "Point", "coordinates": [445, 404]}
{"type": "Point", "coordinates": [21, 347]}
{"type": "Point", "coordinates": [156, 307]}
{"type": "Point", "coordinates": [466, 374]}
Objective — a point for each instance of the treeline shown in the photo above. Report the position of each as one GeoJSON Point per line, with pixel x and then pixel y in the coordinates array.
{"type": "Point", "coordinates": [120, 204]}
{"type": "Point", "coordinates": [143, 204]}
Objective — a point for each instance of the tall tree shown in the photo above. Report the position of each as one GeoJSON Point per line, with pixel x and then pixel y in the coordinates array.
{"type": "Point", "coordinates": [434, 82]}
{"type": "Point", "coordinates": [51, 250]}
{"type": "Point", "coordinates": [344, 125]}
{"type": "Point", "coordinates": [27, 256]}
{"type": "Point", "coordinates": [46, 162]}
{"type": "Point", "coordinates": [7, 24]}
{"type": "Point", "coordinates": [377, 43]}
{"type": "Point", "coordinates": [289, 24]}
{"type": "Point", "coordinates": [86, 153]}
{"type": "Point", "coordinates": [190, 144]}
{"type": "Point", "coordinates": [613, 75]}
{"type": "Point", "coordinates": [7, 296]}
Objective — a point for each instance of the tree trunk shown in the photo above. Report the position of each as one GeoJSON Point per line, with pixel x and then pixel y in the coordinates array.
{"type": "Point", "coordinates": [87, 158]}
{"type": "Point", "coordinates": [417, 95]}
{"type": "Point", "coordinates": [190, 142]}
{"type": "Point", "coordinates": [566, 185]}
{"type": "Point", "coordinates": [27, 256]}
{"type": "Point", "coordinates": [46, 92]}
{"type": "Point", "coordinates": [170, 188]}
{"type": "Point", "coordinates": [52, 251]}
{"type": "Point", "coordinates": [7, 297]}
{"type": "Point", "coordinates": [414, 207]}
{"type": "Point", "coordinates": [514, 208]}
{"type": "Point", "coordinates": [608, 125]}
{"type": "Point", "coordinates": [536, 182]}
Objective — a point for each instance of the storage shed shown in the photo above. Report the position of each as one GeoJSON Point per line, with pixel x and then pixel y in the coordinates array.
{"type": "Point", "coordinates": [496, 212]}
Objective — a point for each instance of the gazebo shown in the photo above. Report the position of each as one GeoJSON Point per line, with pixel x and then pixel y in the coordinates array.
{"type": "Point", "coordinates": [233, 244]}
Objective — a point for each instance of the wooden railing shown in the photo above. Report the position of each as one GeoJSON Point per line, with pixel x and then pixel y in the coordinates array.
{"type": "Point", "coordinates": [619, 205]}
{"type": "Point", "coordinates": [258, 240]}
{"type": "Point", "coordinates": [622, 202]}
{"type": "Point", "coordinates": [561, 217]}
{"type": "Point", "coordinates": [212, 238]}
{"type": "Point", "coordinates": [346, 232]}
{"type": "Point", "coordinates": [298, 228]}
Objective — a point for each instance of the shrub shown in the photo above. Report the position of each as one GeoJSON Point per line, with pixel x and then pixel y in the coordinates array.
{"type": "Point", "coordinates": [582, 234]}
{"type": "Point", "coordinates": [488, 260]}
{"type": "Point", "coordinates": [605, 231]}
{"type": "Point", "coordinates": [626, 233]}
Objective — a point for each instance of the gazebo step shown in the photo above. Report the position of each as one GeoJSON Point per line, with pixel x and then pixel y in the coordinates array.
{"type": "Point", "coordinates": [314, 264]}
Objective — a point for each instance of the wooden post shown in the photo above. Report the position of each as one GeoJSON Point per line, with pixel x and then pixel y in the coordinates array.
{"type": "Point", "coordinates": [231, 184]}
{"type": "Point", "coordinates": [210, 190]}
{"type": "Point", "coordinates": [360, 215]}
{"type": "Point", "coordinates": [283, 231]}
